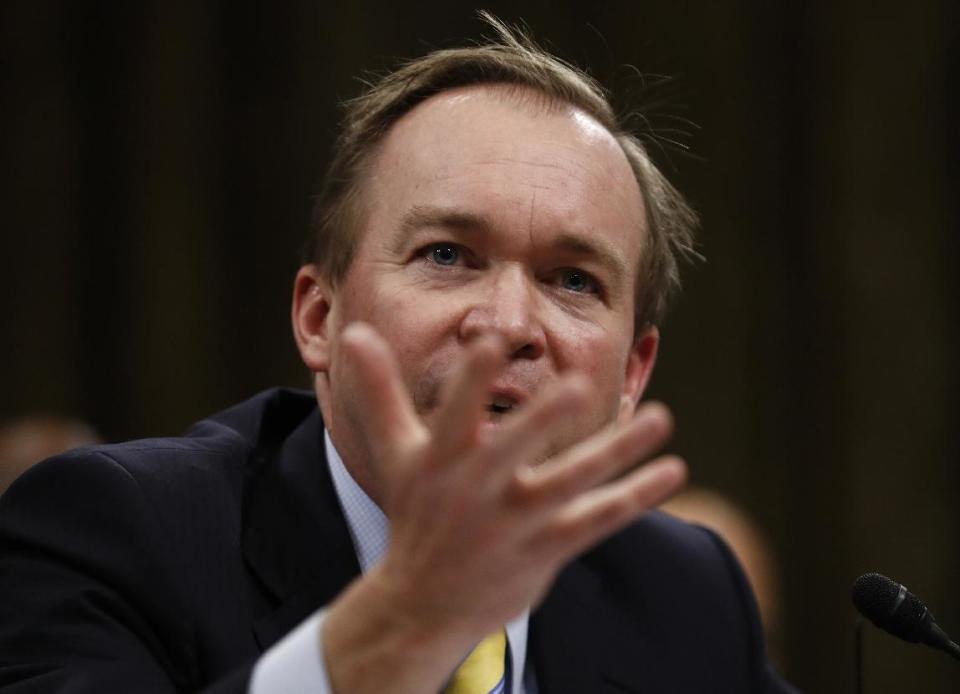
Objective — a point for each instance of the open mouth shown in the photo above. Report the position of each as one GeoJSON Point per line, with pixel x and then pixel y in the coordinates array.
{"type": "Point", "coordinates": [501, 405]}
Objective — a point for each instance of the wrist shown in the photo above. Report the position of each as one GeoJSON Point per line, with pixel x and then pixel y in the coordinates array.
{"type": "Point", "coordinates": [378, 636]}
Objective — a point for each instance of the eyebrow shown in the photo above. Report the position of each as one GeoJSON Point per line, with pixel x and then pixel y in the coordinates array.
{"type": "Point", "coordinates": [601, 252]}
{"type": "Point", "coordinates": [428, 216]}
{"type": "Point", "coordinates": [420, 217]}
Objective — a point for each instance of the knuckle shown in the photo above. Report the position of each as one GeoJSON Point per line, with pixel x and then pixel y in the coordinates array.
{"type": "Point", "coordinates": [562, 534]}
{"type": "Point", "coordinates": [522, 490]}
{"type": "Point", "coordinates": [616, 511]}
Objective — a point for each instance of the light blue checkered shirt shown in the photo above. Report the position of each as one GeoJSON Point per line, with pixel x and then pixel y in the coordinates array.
{"type": "Point", "coordinates": [295, 663]}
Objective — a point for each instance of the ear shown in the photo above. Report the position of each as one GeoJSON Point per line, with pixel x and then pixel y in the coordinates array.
{"type": "Point", "coordinates": [310, 315]}
{"type": "Point", "coordinates": [640, 361]}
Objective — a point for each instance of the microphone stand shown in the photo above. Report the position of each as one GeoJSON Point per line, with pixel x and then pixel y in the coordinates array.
{"type": "Point", "coordinates": [858, 656]}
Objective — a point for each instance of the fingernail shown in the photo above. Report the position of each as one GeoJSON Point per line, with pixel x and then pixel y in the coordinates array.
{"type": "Point", "coordinates": [358, 330]}
{"type": "Point", "coordinates": [492, 338]}
{"type": "Point", "coordinates": [655, 413]}
{"type": "Point", "coordinates": [577, 383]}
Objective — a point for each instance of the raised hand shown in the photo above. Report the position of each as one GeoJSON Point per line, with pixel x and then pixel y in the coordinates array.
{"type": "Point", "coordinates": [483, 512]}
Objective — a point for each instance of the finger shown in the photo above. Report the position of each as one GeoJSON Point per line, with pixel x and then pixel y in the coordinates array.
{"type": "Point", "coordinates": [382, 396]}
{"type": "Point", "coordinates": [597, 459]}
{"type": "Point", "coordinates": [463, 400]}
{"type": "Point", "coordinates": [527, 435]}
{"type": "Point", "coordinates": [597, 514]}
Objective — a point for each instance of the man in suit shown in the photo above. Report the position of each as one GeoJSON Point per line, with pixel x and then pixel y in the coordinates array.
{"type": "Point", "coordinates": [455, 507]}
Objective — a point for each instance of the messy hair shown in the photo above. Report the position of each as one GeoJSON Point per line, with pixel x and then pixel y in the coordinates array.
{"type": "Point", "coordinates": [510, 58]}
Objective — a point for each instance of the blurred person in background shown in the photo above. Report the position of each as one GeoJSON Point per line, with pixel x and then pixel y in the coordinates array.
{"type": "Point", "coordinates": [749, 543]}
{"type": "Point", "coordinates": [28, 440]}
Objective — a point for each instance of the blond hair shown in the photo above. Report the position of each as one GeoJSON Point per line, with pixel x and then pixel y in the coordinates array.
{"type": "Point", "coordinates": [512, 59]}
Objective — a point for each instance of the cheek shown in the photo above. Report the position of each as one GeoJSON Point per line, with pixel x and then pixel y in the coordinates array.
{"type": "Point", "coordinates": [417, 328]}
{"type": "Point", "coordinates": [408, 319]}
{"type": "Point", "coordinates": [600, 354]}
{"type": "Point", "coordinates": [603, 361]}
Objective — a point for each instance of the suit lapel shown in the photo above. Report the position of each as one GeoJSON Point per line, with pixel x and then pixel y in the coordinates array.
{"type": "Point", "coordinates": [580, 641]}
{"type": "Point", "coordinates": [295, 539]}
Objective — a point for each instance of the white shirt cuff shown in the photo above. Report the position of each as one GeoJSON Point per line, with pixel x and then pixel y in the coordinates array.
{"type": "Point", "coordinates": [295, 663]}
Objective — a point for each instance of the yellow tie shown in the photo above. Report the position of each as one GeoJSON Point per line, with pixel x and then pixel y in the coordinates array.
{"type": "Point", "coordinates": [483, 670]}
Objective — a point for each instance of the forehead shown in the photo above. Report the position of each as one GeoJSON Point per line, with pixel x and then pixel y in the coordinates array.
{"type": "Point", "coordinates": [512, 154]}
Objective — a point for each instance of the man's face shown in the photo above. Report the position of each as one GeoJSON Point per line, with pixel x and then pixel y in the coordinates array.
{"type": "Point", "coordinates": [487, 212]}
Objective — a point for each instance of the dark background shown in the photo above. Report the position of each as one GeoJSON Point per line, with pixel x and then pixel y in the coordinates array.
{"type": "Point", "coordinates": [158, 164]}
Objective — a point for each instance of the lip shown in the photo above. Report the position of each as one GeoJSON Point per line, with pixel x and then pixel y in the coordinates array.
{"type": "Point", "coordinates": [519, 395]}
{"type": "Point", "coordinates": [508, 392]}
{"type": "Point", "coordinates": [489, 428]}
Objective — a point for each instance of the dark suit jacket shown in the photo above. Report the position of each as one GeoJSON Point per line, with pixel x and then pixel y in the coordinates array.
{"type": "Point", "coordinates": [172, 564]}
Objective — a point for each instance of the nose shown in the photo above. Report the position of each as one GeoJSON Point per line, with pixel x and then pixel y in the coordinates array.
{"type": "Point", "coordinates": [508, 305]}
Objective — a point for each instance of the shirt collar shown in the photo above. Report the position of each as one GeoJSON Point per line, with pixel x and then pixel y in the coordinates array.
{"type": "Point", "coordinates": [369, 528]}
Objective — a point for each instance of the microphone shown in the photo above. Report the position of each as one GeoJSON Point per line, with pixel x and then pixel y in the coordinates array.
{"type": "Point", "coordinates": [897, 611]}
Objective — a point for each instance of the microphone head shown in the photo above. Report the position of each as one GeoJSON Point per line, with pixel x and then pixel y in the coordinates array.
{"type": "Point", "coordinates": [891, 607]}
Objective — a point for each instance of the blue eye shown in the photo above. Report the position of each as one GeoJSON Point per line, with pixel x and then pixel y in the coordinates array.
{"type": "Point", "coordinates": [579, 281]}
{"type": "Point", "coordinates": [444, 254]}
